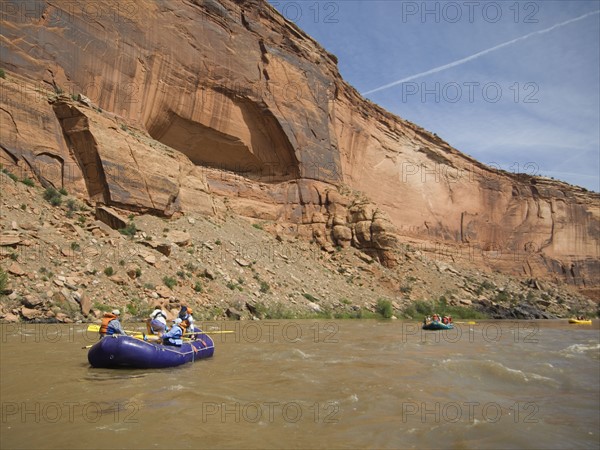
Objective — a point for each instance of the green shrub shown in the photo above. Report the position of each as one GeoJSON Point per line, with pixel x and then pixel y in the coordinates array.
{"type": "Point", "coordinates": [2, 74]}
{"type": "Point", "coordinates": [384, 307]}
{"type": "Point", "coordinates": [75, 246]}
{"type": "Point", "coordinates": [420, 309]}
{"type": "Point", "coordinates": [12, 176]}
{"type": "Point", "coordinates": [277, 311]}
{"type": "Point", "coordinates": [406, 289]}
{"type": "Point", "coordinates": [138, 272]}
{"type": "Point", "coordinates": [264, 287]}
{"type": "Point", "coordinates": [169, 282]}
{"type": "Point", "coordinates": [137, 308]}
{"type": "Point", "coordinates": [3, 279]}
{"type": "Point", "coordinates": [28, 182]}
{"type": "Point", "coordinates": [484, 286]}
{"type": "Point", "coordinates": [258, 226]}
{"type": "Point", "coordinates": [130, 230]}
{"type": "Point", "coordinates": [502, 296]}
{"type": "Point", "coordinates": [63, 191]}
{"type": "Point", "coordinates": [310, 298]}
{"type": "Point", "coordinates": [52, 196]}
{"type": "Point", "coordinates": [102, 307]}
{"type": "Point", "coordinates": [198, 286]}
{"type": "Point", "coordinates": [109, 271]}
{"type": "Point", "coordinates": [71, 205]}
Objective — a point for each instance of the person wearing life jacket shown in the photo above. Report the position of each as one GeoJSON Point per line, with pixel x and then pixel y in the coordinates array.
{"type": "Point", "coordinates": [157, 324]}
{"type": "Point", "coordinates": [445, 320]}
{"type": "Point", "coordinates": [186, 316]}
{"type": "Point", "coordinates": [175, 335]}
{"type": "Point", "coordinates": [110, 324]}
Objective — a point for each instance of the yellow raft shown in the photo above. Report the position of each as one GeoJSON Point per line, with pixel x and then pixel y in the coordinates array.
{"type": "Point", "coordinates": [581, 322]}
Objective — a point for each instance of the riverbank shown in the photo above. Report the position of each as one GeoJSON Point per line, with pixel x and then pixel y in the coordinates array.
{"type": "Point", "coordinates": [60, 261]}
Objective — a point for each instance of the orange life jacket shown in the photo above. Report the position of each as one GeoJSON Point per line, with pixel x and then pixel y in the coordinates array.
{"type": "Point", "coordinates": [108, 317]}
{"type": "Point", "coordinates": [184, 325]}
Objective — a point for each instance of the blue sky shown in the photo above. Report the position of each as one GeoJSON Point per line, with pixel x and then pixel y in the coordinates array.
{"type": "Point", "coordinates": [522, 90]}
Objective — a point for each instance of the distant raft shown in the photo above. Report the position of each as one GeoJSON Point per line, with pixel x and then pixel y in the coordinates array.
{"type": "Point", "coordinates": [437, 326]}
{"type": "Point", "coordinates": [581, 322]}
{"type": "Point", "coordinates": [120, 351]}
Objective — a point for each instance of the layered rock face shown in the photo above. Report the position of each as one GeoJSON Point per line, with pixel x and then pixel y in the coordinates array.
{"type": "Point", "coordinates": [193, 101]}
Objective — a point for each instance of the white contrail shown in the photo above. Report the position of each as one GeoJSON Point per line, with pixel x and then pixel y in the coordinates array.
{"type": "Point", "coordinates": [481, 53]}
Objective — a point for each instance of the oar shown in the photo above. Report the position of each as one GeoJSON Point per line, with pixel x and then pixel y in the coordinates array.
{"type": "Point", "coordinates": [210, 332]}
{"type": "Point", "coordinates": [94, 327]}
{"type": "Point", "coordinates": [468, 323]}
{"type": "Point", "coordinates": [136, 336]}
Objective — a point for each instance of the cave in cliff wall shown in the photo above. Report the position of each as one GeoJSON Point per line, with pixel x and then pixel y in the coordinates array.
{"type": "Point", "coordinates": [236, 135]}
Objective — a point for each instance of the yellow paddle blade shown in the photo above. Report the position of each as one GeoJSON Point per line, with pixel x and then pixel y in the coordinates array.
{"type": "Point", "coordinates": [149, 337]}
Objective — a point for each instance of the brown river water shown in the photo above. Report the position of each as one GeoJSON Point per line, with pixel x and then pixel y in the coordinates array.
{"type": "Point", "coordinates": [312, 384]}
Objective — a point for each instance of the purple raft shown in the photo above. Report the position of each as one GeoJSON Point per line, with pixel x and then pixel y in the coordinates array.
{"type": "Point", "coordinates": [119, 351]}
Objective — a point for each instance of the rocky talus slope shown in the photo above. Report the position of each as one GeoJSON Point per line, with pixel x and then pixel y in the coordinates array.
{"type": "Point", "coordinates": [65, 262]}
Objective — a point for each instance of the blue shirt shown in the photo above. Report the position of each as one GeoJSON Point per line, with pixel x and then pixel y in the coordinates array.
{"type": "Point", "coordinates": [114, 327]}
{"type": "Point", "coordinates": [173, 336]}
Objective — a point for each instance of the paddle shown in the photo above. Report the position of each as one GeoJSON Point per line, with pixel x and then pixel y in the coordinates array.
{"type": "Point", "coordinates": [468, 323]}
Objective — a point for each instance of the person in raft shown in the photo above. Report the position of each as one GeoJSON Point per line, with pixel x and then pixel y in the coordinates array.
{"type": "Point", "coordinates": [157, 324]}
{"type": "Point", "coordinates": [185, 314]}
{"type": "Point", "coordinates": [175, 335]}
{"type": "Point", "coordinates": [110, 324]}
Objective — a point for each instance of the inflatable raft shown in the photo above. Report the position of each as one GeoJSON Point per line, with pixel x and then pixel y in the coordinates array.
{"type": "Point", "coordinates": [438, 326]}
{"type": "Point", "coordinates": [128, 352]}
{"type": "Point", "coordinates": [581, 322]}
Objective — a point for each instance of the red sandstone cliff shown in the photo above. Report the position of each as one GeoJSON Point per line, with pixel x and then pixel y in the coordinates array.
{"type": "Point", "coordinates": [194, 101]}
